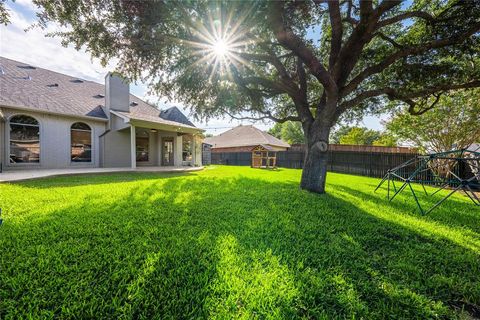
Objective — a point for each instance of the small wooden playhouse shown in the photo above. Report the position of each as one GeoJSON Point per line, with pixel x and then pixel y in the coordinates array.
{"type": "Point", "coordinates": [264, 156]}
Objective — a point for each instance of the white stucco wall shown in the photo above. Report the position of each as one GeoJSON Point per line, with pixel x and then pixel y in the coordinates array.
{"type": "Point", "coordinates": [116, 149]}
{"type": "Point", "coordinates": [2, 144]}
{"type": "Point", "coordinates": [55, 140]}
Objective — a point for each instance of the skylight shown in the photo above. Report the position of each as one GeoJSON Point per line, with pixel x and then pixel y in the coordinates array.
{"type": "Point", "coordinates": [27, 67]}
{"type": "Point", "coordinates": [77, 81]}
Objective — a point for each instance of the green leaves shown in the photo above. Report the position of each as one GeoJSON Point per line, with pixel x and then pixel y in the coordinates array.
{"type": "Point", "coordinates": [452, 123]}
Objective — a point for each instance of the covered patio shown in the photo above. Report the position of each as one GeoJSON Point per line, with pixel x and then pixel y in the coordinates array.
{"type": "Point", "coordinates": [21, 175]}
{"type": "Point", "coordinates": [154, 142]}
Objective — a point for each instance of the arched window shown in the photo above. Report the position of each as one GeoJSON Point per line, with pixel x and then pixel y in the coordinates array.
{"type": "Point", "coordinates": [81, 146]}
{"type": "Point", "coordinates": [24, 140]}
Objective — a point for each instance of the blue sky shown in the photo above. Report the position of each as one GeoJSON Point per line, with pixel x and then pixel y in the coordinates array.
{"type": "Point", "coordinates": [34, 48]}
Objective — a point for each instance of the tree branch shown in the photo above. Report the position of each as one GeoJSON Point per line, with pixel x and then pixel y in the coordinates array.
{"type": "Point", "coordinates": [302, 79]}
{"type": "Point", "coordinates": [407, 51]}
{"type": "Point", "coordinates": [267, 116]}
{"type": "Point", "coordinates": [289, 40]}
{"type": "Point", "coordinates": [381, 35]}
{"type": "Point", "coordinates": [337, 31]}
{"type": "Point", "coordinates": [412, 111]}
{"type": "Point", "coordinates": [404, 16]}
{"type": "Point", "coordinates": [405, 97]}
{"type": "Point", "coordinates": [360, 36]}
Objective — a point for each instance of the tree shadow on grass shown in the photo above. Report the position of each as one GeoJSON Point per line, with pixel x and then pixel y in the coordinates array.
{"type": "Point", "coordinates": [98, 178]}
{"type": "Point", "coordinates": [454, 212]}
{"type": "Point", "coordinates": [231, 248]}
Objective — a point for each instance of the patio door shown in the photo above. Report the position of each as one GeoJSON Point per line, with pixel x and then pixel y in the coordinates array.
{"type": "Point", "coordinates": [167, 151]}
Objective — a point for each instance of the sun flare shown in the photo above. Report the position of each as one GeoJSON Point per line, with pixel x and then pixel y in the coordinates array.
{"type": "Point", "coordinates": [219, 43]}
{"type": "Point", "coordinates": [220, 48]}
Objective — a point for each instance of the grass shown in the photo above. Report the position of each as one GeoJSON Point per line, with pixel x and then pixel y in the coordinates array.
{"type": "Point", "coordinates": [232, 243]}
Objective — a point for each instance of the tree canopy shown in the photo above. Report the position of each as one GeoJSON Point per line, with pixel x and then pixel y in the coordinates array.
{"type": "Point", "coordinates": [288, 131]}
{"type": "Point", "coordinates": [362, 136]}
{"type": "Point", "coordinates": [309, 61]}
{"type": "Point", "coordinates": [453, 124]}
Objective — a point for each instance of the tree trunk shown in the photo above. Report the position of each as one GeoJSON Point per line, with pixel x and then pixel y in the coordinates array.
{"type": "Point", "coordinates": [314, 172]}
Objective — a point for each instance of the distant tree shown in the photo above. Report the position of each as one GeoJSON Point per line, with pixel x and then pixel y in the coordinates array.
{"type": "Point", "coordinates": [276, 130]}
{"type": "Point", "coordinates": [338, 132]}
{"type": "Point", "coordinates": [288, 131]}
{"type": "Point", "coordinates": [292, 132]}
{"type": "Point", "coordinates": [208, 135]}
{"type": "Point", "coordinates": [362, 136]}
{"type": "Point", "coordinates": [308, 61]}
{"type": "Point", "coordinates": [453, 124]}
{"type": "Point", "coordinates": [386, 140]}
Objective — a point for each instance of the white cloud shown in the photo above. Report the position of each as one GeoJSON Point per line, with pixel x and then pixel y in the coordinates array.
{"type": "Point", "coordinates": [34, 48]}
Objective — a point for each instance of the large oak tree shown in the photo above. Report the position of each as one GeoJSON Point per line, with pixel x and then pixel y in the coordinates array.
{"type": "Point", "coordinates": [309, 61]}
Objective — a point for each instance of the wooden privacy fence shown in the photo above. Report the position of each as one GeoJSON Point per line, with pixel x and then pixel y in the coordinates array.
{"type": "Point", "coordinates": [372, 164]}
{"type": "Point", "coordinates": [365, 162]}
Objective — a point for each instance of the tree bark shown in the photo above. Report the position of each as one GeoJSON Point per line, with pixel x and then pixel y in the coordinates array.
{"type": "Point", "coordinates": [314, 172]}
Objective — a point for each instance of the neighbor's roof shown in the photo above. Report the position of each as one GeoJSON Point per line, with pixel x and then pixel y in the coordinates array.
{"type": "Point", "coordinates": [244, 136]}
{"type": "Point", "coordinates": [26, 86]}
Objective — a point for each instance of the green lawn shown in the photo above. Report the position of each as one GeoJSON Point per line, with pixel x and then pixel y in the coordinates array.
{"type": "Point", "coordinates": [232, 242]}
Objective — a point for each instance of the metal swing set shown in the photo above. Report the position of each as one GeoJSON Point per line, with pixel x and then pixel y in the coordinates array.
{"type": "Point", "coordinates": [448, 163]}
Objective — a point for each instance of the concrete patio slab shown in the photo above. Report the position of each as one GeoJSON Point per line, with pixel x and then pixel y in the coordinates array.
{"type": "Point", "coordinates": [20, 175]}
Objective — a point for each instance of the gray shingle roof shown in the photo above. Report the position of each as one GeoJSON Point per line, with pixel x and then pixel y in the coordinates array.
{"type": "Point", "coordinates": [173, 114]}
{"type": "Point", "coordinates": [26, 86]}
{"type": "Point", "coordinates": [244, 136]}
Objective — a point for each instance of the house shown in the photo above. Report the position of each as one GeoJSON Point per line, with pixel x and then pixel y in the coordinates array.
{"type": "Point", "coordinates": [52, 120]}
{"type": "Point", "coordinates": [244, 139]}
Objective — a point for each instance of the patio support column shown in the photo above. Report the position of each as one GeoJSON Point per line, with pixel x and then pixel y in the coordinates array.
{"type": "Point", "coordinates": [194, 153]}
{"type": "Point", "coordinates": [133, 147]}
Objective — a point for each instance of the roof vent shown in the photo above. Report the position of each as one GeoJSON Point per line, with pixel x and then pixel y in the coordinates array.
{"type": "Point", "coordinates": [76, 81]}
{"type": "Point", "coordinates": [99, 96]}
{"type": "Point", "coordinates": [133, 104]}
{"type": "Point", "coordinates": [27, 67]}
{"type": "Point", "coordinates": [28, 78]}
{"type": "Point", "coordinates": [52, 85]}
{"type": "Point", "coordinates": [2, 72]}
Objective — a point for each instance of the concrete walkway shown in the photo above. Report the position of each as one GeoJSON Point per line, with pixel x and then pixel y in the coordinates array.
{"type": "Point", "coordinates": [19, 175]}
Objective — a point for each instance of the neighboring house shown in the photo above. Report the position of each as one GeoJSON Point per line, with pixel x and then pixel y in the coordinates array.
{"type": "Point", "coordinates": [52, 120]}
{"type": "Point", "coordinates": [244, 139]}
